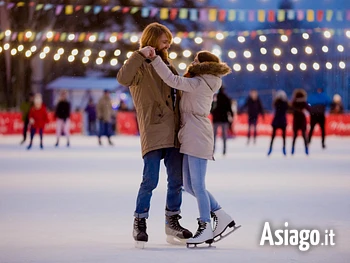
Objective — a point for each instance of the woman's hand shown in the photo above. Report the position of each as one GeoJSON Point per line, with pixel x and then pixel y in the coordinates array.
{"type": "Point", "coordinates": [148, 52]}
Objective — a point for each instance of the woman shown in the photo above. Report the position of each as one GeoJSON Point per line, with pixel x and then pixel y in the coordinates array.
{"type": "Point", "coordinates": [280, 119]}
{"type": "Point", "coordinates": [299, 106]}
{"type": "Point", "coordinates": [37, 119]}
{"type": "Point", "coordinates": [202, 80]}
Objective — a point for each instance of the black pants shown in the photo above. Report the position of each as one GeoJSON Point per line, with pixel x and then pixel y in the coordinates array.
{"type": "Point", "coordinates": [25, 129]}
{"type": "Point", "coordinates": [295, 135]}
{"type": "Point", "coordinates": [252, 122]}
{"type": "Point", "coordinates": [320, 120]}
{"type": "Point", "coordinates": [274, 134]}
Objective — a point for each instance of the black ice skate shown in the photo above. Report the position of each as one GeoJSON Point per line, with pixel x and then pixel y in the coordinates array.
{"type": "Point", "coordinates": [139, 232]}
{"type": "Point", "coordinates": [221, 223]}
{"type": "Point", "coordinates": [176, 234]}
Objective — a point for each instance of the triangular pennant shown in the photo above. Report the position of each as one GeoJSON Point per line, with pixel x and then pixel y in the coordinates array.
{"type": "Point", "coordinates": [271, 16]}
{"type": "Point", "coordinates": [251, 15]}
{"type": "Point", "coordinates": [193, 14]}
{"type": "Point", "coordinates": [203, 15]}
{"type": "Point", "coordinates": [145, 12]}
{"type": "Point", "coordinates": [63, 37]}
{"type": "Point", "coordinates": [281, 15]}
{"type": "Point", "coordinates": [134, 10]}
{"type": "Point", "coordinates": [19, 4]}
{"type": "Point", "coordinates": [154, 12]}
{"type": "Point", "coordinates": [48, 7]}
{"type": "Point", "coordinates": [59, 9]}
{"type": "Point", "coordinates": [241, 15]}
{"type": "Point", "coordinates": [10, 5]}
{"type": "Point", "coordinates": [69, 9]}
{"type": "Point", "coordinates": [261, 16]}
{"type": "Point", "coordinates": [173, 13]}
{"type": "Point", "coordinates": [116, 8]}
{"type": "Point", "coordinates": [231, 15]}
{"type": "Point", "coordinates": [183, 13]}
{"type": "Point", "coordinates": [164, 13]}
{"type": "Point", "coordinates": [97, 9]}
{"type": "Point", "coordinates": [2, 34]}
{"type": "Point", "coordinates": [300, 15]}
{"type": "Point", "coordinates": [329, 15]}
{"type": "Point", "coordinates": [56, 37]}
{"type": "Point", "coordinates": [348, 15]}
{"type": "Point", "coordinates": [106, 8]}
{"type": "Point", "coordinates": [320, 14]}
{"type": "Point", "coordinates": [310, 15]}
{"type": "Point", "coordinates": [291, 14]}
{"type": "Point", "coordinates": [39, 7]}
{"type": "Point", "coordinates": [340, 15]}
{"type": "Point", "coordinates": [222, 15]}
{"type": "Point", "coordinates": [212, 15]}
{"type": "Point", "coordinates": [87, 9]}
{"type": "Point", "coordinates": [78, 8]}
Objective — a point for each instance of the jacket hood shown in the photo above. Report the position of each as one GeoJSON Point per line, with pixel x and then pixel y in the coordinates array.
{"type": "Point", "coordinates": [212, 68]}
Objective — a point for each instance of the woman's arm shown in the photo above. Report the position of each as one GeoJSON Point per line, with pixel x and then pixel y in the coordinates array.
{"type": "Point", "coordinates": [181, 83]}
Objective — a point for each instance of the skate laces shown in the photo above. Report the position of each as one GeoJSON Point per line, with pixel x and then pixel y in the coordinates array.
{"type": "Point", "coordinates": [174, 222]}
{"type": "Point", "coordinates": [140, 223]}
{"type": "Point", "coordinates": [201, 227]}
{"type": "Point", "coordinates": [215, 220]}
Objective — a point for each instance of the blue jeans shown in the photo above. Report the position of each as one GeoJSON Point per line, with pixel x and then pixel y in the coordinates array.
{"type": "Point", "coordinates": [173, 163]}
{"type": "Point", "coordinates": [194, 170]}
{"type": "Point", "coordinates": [104, 129]}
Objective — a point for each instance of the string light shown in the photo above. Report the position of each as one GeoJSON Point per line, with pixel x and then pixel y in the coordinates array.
{"type": "Point", "coordinates": [56, 57]}
{"type": "Point", "coordinates": [71, 58]}
{"type": "Point", "coordinates": [340, 48]}
{"type": "Point", "coordinates": [217, 52]}
{"type": "Point", "coordinates": [247, 54]}
{"type": "Point", "coordinates": [241, 39]}
{"type": "Point", "coordinates": [114, 62]}
{"type": "Point", "coordinates": [28, 34]}
{"type": "Point", "coordinates": [49, 34]}
{"type": "Point", "coordinates": [113, 39]}
{"type": "Point", "coordinates": [294, 51]}
{"type": "Point", "coordinates": [99, 61]}
{"type": "Point", "coordinates": [102, 53]}
{"type": "Point", "coordinates": [177, 40]}
{"type": "Point", "coordinates": [134, 39]}
{"type": "Point", "coordinates": [42, 55]}
{"type": "Point", "coordinates": [237, 67]}
{"type": "Point", "coordinates": [87, 53]}
{"type": "Point", "coordinates": [220, 36]}
{"type": "Point", "coordinates": [232, 54]}
{"type": "Point", "coordinates": [263, 51]}
{"type": "Point", "coordinates": [75, 52]}
{"type": "Point", "coordinates": [13, 51]}
{"type": "Point", "coordinates": [308, 50]}
{"type": "Point", "coordinates": [348, 33]}
{"type": "Point", "coordinates": [289, 67]}
{"type": "Point", "coordinates": [187, 53]}
{"type": "Point", "coordinates": [8, 33]}
{"type": "Point", "coordinates": [316, 66]}
{"type": "Point", "coordinates": [128, 55]}
{"type": "Point", "coordinates": [85, 60]}
{"type": "Point", "coordinates": [325, 49]}
{"type": "Point", "coordinates": [342, 65]}
{"type": "Point", "coordinates": [92, 38]}
{"type": "Point", "coordinates": [172, 55]}
{"type": "Point", "coordinates": [276, 67]}
{"type": "Point", "coordinates": [28, 53]}
{"type": "Point", "coordinates": [60, 51]}
{"type": "Point", "coordinates": [250, 67]}
{"type": "Point", "coordinates": [329, 65]}
{"type": "Point", "coordinates": [71, 37]}
{"type": "Point", "coordinates": [33, 49]}
{"type": "Point", "coordinates": [198, 40]}
{"type": "Point", "coordinates": [262, 38]}
{"type": "Point", "coordinates": [117, 52]}
{"type": "Point", "coordinates": [263, 67]}
{"type": "Point", "coordinates": [277, 52]}
{"type": "Point", "coordinates": [303, 66]}
{"type": "Point", "coordinates": [182, 66]}
{"type": "Point", "coordinates": [284, 38]}
{"type": "Point", "coordinates": [327, 34]}
{"type": "Point", "coordinates": [20, 48]}
{"type": "Point", "coordinates": [306, 36]}
{"type": "Point", "coordinates": [6, 46]}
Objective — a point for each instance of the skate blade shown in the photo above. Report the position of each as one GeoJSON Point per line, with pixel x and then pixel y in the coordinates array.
{"type": "Point", "coordinates": [140, 244]}
{"type": "Point", "coordinates": [203, 245]}
{"type": "Point", "coordinates": [224, 235]}
{"type": "Point", "coordinates": [175, 241]}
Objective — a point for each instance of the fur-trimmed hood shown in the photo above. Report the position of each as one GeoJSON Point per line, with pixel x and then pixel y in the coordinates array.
{"type": "Point", "coordinates": [212, 68]}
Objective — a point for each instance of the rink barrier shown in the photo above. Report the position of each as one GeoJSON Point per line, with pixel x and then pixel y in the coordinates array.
{"type": "Point", "coordinates": [11, 123]}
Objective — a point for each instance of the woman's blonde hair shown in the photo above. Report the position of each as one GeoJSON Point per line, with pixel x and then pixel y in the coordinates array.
{"type": "Point", "coordinates": [152, 33]}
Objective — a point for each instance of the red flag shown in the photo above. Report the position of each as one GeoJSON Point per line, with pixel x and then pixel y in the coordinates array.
{"type": "Point", "coordinates": [320, 14]}
{"type": "Point", "coordinates": [222, 15]}
{"type": "Point", "coordinates": [271, 16]}
{"type": "Point", "coordinates": [173, 13]}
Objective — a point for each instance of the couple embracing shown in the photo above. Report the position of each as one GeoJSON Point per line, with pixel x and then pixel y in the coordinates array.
{"type": "Point", "coordinates": [172, 114]}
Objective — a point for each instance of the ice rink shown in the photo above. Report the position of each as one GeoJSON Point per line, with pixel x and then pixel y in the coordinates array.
{"type": "Point", "coordinates": [76, 204]}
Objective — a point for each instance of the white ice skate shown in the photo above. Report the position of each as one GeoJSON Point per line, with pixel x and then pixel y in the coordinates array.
{"type": "Point", "coordinates": [221, 222]}
{"type": "Point", "coordinates": [204, 234]}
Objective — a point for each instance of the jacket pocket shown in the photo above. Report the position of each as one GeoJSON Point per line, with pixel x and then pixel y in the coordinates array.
{"type": "Point", "coordinates": [157, 113]}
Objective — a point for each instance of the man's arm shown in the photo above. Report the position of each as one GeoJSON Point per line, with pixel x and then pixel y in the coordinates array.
{"type": "Point", "coordinates": [126, 74]}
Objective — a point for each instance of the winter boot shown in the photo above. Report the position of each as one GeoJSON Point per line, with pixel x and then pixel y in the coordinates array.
{"type": "Point", "coordinates": [204, 234]}
{"type": "Point", "coordinates": [292, 151]}
{"type": "Point", "coordinates": [29, 146]}
{"type": "Point", "coordinates": [57, 142]}
{"type": "Point", "coordinates": [221, 221]}
{"type": "Point", "coordinates": [41, 145]}
{"type": "Point", "coordinates": [306, 150]}
{"type": "Point", "coordinates": [174, 231]}
{"type": "Point", "coordinates": [139, 232]}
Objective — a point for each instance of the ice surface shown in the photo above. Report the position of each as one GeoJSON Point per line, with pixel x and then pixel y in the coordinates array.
{"type": "Point", "coordinates": [76, 204]}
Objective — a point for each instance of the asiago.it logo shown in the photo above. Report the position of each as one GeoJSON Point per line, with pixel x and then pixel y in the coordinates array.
{"type": "Point", "coordinates": [304, 238]}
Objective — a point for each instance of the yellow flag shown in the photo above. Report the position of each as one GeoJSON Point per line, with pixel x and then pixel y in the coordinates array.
{"type": "Point", "coordinates": [310, 15]}
{"type": "Point", "coordinates": [20, 36]}
{"type": "Point", "coordinates": [231, 15]}
{"type": "Point", "coordinates": [20, 4]}
{"type": "Point", "coordinates": [69, 9]}
{"type": "Point", "coordinates": [261, 15]}
{"type": "Point", "coordinates": [81, 37]}
{"type": "Point", "coordinates": [164, 13]}
{"type": "Point", "coordinates": [281, 15]}
{"type": "Point", "coordinates": [63, 37]}
{"type": "Point", "coordinates": [212, 15]}
{"type": "Point", "coordinates": [329, 15]}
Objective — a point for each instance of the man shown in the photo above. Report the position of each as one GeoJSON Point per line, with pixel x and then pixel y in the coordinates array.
{"type": "Point", "coordinates": [318, 102]}
{"type": "Point", "coordinates": [157, 109]}
{"type": "Point", "coordinates": [62, 115]}
{"type": "Point", "coordinates": [104, 115]}
{"type": "Point", "coordinates": [25, 108]}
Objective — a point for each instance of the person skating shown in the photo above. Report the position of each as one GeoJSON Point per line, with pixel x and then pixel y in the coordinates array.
{"type": "Point", "coordinates": [37, 120]}
{"type": "Point", "coordinates": [202, 80]}
{"type": "Point", "coordinates": [25, 108]}
{"type": "Point", "coordinates": [62, 115]}
{"type": "Point", "coordinates": [279, 121]}
{"type": "Point", "coordinates": [299, 106]}
{"type": "Point", "coordinates": [104, 114]}
{"type": "Point", "coordinates": [222, 117]}
{"type": "Point", "coordinates": [157, 110]}
{"type": "Point", "coordinates": [318, 101]}
{"type": "Point", "coordinates": [254, 108]}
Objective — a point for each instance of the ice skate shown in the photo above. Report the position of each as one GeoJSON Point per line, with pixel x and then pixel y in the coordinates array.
{"type": "Point", "coordinates": [306, 150]}
{"type": "Point", "coordinates": [284, 151]}
{"type": "Point", "coordinates": [221, 222]}
{"type": "Point", "coordinates": [139, 232]}
{"type": "Point", "coordinates": [269, 152]}
{"type": "Point", "coordinates": [204, 234]}
{"type": "Point", "coordinates": [176, 234]}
